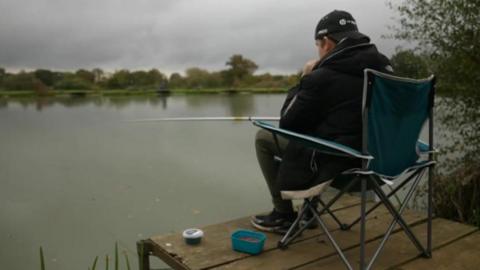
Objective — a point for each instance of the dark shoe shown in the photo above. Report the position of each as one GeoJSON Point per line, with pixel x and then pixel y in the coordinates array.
{"type": "Point", "coordinates": [274, 221]}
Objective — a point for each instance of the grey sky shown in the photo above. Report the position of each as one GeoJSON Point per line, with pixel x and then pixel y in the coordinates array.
{"type": "Point", "coordinates": [172, 35]}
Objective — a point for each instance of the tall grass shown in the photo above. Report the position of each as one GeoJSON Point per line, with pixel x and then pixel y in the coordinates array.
{"type": "Point", "coordinates": [42, 260]}
{"type": "Point", "coordinates": [95, 261]}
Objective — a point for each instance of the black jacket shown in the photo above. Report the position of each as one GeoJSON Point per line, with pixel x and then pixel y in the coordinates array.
{"type": "Point", "coordinates": [327, 103]}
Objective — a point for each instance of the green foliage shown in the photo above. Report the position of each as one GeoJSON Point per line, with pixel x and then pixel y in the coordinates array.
{"type": "Point", "coordinates": [42, 259]}
{"type": "Point", "coordinates": [98, 75]}
{"type": "Point", "coordinates": [459, 198]}
{"type": "Point", "coordinates": [127, 261]}
{"type": "Point", "coordinates": [116, 256]}
{"type": "Point", "coordinates": [21, 81]}
{"type": "Point", "coordinates": [94, 265]}
{"type": "Point", "coordinates": [95, 261]}
{"type": "Point", "coordinates": [240, 68]}
{"type": "Point", "coordinates": [176, 81]}
{"type": "Point", "coordinates": [408, 64]}
{"type": "Point", "coordinates": [197, 78]}
{"type": "Point", "coordinates": [239, 75]}
{"type": "Point", "coordinates": [71, 81]}
{"type": "Point", "coordinates": [85, 75]}
{"type": "Point", "coordinates": [448, 34]}
{"type": "Point", "coordinates": [121, 79]}
{"type": "Point", "coordinates": [124, 79]}
{"type": "Point", "coordinates": [47, 77]}
{"type": "Point", "coordinates": [2, 77]}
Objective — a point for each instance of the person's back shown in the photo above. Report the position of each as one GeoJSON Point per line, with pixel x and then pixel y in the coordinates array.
{"type": "Point", "coordinates": [327, 104]}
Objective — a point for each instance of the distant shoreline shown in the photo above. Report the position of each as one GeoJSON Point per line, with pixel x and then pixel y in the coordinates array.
{"type": "Point", "coordinates": [137, 92]}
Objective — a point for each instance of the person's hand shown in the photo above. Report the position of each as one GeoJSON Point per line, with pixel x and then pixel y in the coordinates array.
{"type": "Point", "coordinates": [307, 69]}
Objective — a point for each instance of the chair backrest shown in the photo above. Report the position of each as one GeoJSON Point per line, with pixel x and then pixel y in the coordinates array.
{"type": "Point", "coordinates": [394, 112]}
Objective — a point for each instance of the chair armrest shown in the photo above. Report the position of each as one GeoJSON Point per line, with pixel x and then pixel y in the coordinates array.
{"type": "Point", "coordinates": [424, 149]}
{"type": "Point", "coordinates": [324, 146]}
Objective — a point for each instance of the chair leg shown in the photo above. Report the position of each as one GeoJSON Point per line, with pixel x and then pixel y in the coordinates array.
{"type": "Point", "coordinates": [401, 185]}
{"type": "Point", "coordinates": [398, 217]}
{"type": "Point", "coordinates": [341, 225]}
{"type": "Point", "coordinates": [283, 243]}
{"type": "Point", "coordinates": [287, 238]}
{"type": "Point", "coordinates": [430, 213]}
{"type": "Point", "coordinates": [392, 224]}
{"type": "Point", "coordinates": [363, 221]}
{"type": "Point", "coordinates": [330, 238]}
{"type": "Point", "coordinates": [338, 195]}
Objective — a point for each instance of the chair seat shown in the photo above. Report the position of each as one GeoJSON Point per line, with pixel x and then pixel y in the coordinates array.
{"type": "Point", "coordinates": [306, 193]}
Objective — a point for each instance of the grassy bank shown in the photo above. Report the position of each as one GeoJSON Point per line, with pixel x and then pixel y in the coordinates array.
{"type": "Point", "coordinates": [136, 92]}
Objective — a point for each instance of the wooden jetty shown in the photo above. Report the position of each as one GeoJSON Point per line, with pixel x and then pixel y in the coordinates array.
{"type": "Point", "coordinates": [455, 245]}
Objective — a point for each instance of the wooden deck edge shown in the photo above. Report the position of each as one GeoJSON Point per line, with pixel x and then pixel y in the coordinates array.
{"type": "Point", "coordinates": [476, 230]}
{"type": "Point", "coordinates": [152, 249]}
{"type": "Point", "coordinates": [334, 253]}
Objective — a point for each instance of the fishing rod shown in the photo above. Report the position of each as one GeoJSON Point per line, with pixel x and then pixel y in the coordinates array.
{"type": "Point", "coordinates": [207, 118]}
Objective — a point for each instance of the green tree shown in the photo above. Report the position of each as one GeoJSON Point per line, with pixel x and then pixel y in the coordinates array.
{"type": "Point", "coordinates": [196, 77]}
{"type": "Point", "coordinates": [121, 79]}
{"type": "Point", "coordinates": [85, 75]}
{"type": "Point", "coordinates": [98, 74]}
{"type": "Point", "coordinates": [20, 81]}
{"type": "Point", "coordinates": [240, 68]}
{"type": "Point", "coordinates": [156, 78]}
{"type": "Point", "coordinates": [176, 81]}
{"type": "Point", "coordinates": [140, 78]}
{"type": "Point", "coordinates": [449, 32]}
{"type": "Point", "coordinates": [70, 81]}
{"type": "Point", "coordinates": [3, 74]}
{"type": "Point", "coordinates": [47, 77]}
{"type": "Point", "coordinates": [408, 64]}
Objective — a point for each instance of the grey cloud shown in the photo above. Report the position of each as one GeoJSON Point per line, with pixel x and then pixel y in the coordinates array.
{"type": "Point", "coordinates": [171, 35]}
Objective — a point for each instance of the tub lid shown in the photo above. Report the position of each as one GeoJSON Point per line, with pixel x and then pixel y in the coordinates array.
{"type": "Point", "coordinates": [192, 233]}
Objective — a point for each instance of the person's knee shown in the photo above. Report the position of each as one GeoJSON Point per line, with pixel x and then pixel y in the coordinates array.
{"type": "Point", "coordinates": [263, 137]}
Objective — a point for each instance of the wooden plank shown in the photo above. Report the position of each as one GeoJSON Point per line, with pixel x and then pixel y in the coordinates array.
{"type": "Point", "coordinates": [399, 248]}
{"type": "Point", "coordinates": [463, 254]}
{"type": "Point", "coordinates": [319, 247]}
{"type": "Point", "coordinates": [216, 247]}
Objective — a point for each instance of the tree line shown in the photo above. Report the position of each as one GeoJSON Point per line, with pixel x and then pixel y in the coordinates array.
{"type": "Point", "coordinates": [239, 74]}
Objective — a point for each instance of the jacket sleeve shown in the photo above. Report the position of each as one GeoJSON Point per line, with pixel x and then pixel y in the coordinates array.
{"type": "Point", "coordinates": [290, 95]}
{"type": "Point", "coordinates": [306, 107]}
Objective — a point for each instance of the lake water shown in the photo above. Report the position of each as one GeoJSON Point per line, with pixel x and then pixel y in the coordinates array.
{"type": "Point", "coordinates": [76, 177]}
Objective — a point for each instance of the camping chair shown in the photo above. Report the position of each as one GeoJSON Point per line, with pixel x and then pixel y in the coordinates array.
{"type": "Point", "coordinates": [394, 111]}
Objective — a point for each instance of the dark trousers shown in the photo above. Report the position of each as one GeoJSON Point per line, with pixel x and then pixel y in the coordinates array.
{"type": "Point", "coordinates": [267, 149]}
{"type": "Point", "coordinates": [303, 173]}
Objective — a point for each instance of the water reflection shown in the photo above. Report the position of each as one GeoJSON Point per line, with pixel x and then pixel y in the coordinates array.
{"type": "Point", "coordinates": [237, 104]}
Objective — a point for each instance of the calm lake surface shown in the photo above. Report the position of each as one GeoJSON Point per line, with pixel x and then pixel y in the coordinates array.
{"type": "Point", "coordinates": [76, 177]}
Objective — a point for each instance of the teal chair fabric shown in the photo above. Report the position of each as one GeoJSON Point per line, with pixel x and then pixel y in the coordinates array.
{"type": "Point", "coordinates": [397, 112]}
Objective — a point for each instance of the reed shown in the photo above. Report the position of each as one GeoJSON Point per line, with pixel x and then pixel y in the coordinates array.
{"type": "Point", "coordinates": [42, 259]}
{"type": "Point", "coordinates": [94, 265]}
{"type": "Point", "coordinates": [116, 260]}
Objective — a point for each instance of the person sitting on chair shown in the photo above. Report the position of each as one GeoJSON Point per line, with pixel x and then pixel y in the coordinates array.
{"type": "Point", "coordinates": [326, 103]}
